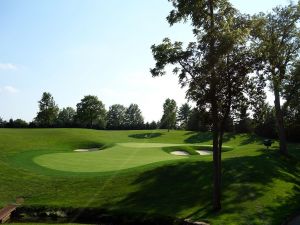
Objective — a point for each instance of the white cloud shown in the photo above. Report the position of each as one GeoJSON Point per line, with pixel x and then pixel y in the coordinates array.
{"type": "Point", "coordinates": [8, 66]}
{"type": "Point", "coordinates": [9, 90]}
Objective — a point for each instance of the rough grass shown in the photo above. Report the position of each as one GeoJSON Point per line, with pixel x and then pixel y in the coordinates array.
{"type": "Point", "coordinates": [259, 186]}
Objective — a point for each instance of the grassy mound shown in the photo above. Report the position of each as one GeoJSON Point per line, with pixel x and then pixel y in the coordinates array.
{"type": "Point", "coordinates": [259, 186]}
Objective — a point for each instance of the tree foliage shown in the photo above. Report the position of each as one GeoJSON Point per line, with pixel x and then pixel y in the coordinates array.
{"type": "Point", "coordinates": [133, 117]}
{"type": "Point", "coordinates": [48, 111]}
{"type": "Point", "coordinates": [168, 120]}
{"type": "Point", "coordinates": [116, 117]}
{"type": "Point", "coordinates": [66, 117]}
{"type": "Point", "coordinates": [214, 67]}
{"type": "Point", "coordinates": [291, 94]}
{"type": "Point", "coordinates": [277, 43]}
{"type": "Point", "coordinates": [244, 123]}
{"type": "Point", "coordinates": [91, 112]}
{"type": "Point", "coordinates": [183, 115]}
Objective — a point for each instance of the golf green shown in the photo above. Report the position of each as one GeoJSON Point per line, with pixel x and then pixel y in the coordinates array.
{"type": "Point", "coordinates": [120, 156]}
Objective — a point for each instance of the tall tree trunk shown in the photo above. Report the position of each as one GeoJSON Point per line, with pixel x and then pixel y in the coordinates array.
{"type": "Point", "coordinates": [215, 117]}
{"type": "Point", "coordinates": [280, 124]}
{"type": "Point", "coordinates": [216, 169]}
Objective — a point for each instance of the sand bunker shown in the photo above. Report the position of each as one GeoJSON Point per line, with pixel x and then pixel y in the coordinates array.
{"type": "Point", "coordinates": [179, 153]}
{"type": "Point", "coordinates": [204, 152]}
{"type": "Point", "coordinates": [86, 150]}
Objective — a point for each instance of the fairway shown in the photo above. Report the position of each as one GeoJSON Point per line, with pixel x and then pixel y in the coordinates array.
{"type": "Point", "coordinates": [120, 156]}
{"type": "Point", "coordinates": [133, 173]}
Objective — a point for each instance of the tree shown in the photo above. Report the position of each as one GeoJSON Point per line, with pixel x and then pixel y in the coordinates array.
{"type": "Point", "coordinates": [244, 122]}
{"type": "Point", "coordinates": [91, 112]}
{"type": "Point", "coordinates": [116, 117]}
{"type": "Point", "coordinates": [168, 120]}
{"type": "Point", "coordinates": [19, 123]}
{"type": "Point", "coordinates": [2, 123]}
{"type": "Point", "coordinates": [153, 125]}
{"type": "Point", "coordinates": [277, 42]}
{"type": "Point", "coordinates": [183, 115]}
{"type": "Point", "coordinates": [265, 121]}
{"type": "Point", "coordinates": [47, 115]}
{"type": "Point", "coordinates": [133, 117]}
{"type": "Point", "coordinates": [199, 120]}
{"type": "Point", "coordinates": [214, 68]}
{"type": "Point", "coordinates": [291, 108]}
{"type": "Point", "coordinates": [66, 117]}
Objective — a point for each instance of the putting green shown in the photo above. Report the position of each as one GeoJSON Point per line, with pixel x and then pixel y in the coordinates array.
{"type": "Point", "coordinates": [147, 145]}
{"type": "Point", "coordinates": [119, 157]}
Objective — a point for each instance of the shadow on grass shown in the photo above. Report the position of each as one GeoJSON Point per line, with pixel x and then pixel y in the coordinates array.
{"type": "Point", "coordinates": [250, 139]}
{"type": "Point", "coordinates": [145, 135]}
{"type": "Point", "coordinates": [198, 137]}
{"type": "Point", "coordinates": [185, 189]}
{"type": "Point", "coordinates": [90, 144]}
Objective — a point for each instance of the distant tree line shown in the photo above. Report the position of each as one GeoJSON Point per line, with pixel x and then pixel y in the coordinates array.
{"type": "Point", "coordinates": [90, 112]}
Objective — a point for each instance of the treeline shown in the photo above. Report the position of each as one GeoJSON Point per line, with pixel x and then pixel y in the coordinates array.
{"type": "Point", "coordinates": [90, 112]}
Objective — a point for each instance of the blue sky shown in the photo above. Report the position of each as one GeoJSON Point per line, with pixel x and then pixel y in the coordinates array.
{"type": "Point", "coordinates": [73, 48]}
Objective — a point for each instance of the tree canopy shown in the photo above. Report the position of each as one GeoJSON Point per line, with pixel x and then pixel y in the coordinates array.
{"type": "Point", "coordinates": [116, 117]}
{"type": "Point", "coordinates": [277, 43]}
{"type": "Point", "coordinates": [133, 117]}
{"type": "Point", "coordinates": [215, 67]}
{"type": "Point", "coordinates": [168, 120]}
{"type": "Point", "coordinates": [66, 117]}
{"type": "Point", "coordinates": [91, 112]}
{"type": "Point", "coordinates": [48, 111]}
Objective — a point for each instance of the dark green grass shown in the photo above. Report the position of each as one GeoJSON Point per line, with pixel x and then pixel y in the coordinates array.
{"type": "Point", "coordinates": [43, 223]}
{"type": "Point", "coordinates": [259, 186]}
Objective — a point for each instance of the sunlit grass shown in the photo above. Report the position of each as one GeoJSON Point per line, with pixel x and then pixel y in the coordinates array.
{"type": "Point", "coordinates": [259, 186]}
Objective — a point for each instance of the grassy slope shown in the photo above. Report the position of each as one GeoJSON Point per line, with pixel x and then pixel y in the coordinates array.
{"type": "Point", "coordinates": [259, 187]}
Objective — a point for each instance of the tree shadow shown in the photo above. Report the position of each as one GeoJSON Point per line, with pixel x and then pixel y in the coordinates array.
{"type": "Point", "coordinates": [294, 149]}
{"type": "Point", "coordinates": [145, 135]}
{"type": "Point", "coordinates": [90, 144]}
{"type": "Point", "coordinates": [198, 137]}
{"type": "Point", "coordinates": [184, 189]}
{"type": "Point", "coordinates": [250, 139]}
{"type": "Point", "coordinates": [228, 137]}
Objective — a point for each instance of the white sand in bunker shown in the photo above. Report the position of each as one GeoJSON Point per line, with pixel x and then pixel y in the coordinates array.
{"type": "Point", "coordinates": [204, 152]}
{"type": "Point", "coordinates": [86, 150]}
{"type": "Point", "coordinates": [179, 153]}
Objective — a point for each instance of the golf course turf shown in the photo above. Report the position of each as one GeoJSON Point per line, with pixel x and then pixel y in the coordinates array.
{"type": "Point", "coordinates": [119, 157]}
{"type": "Point", "coordinates": [133, 172]}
